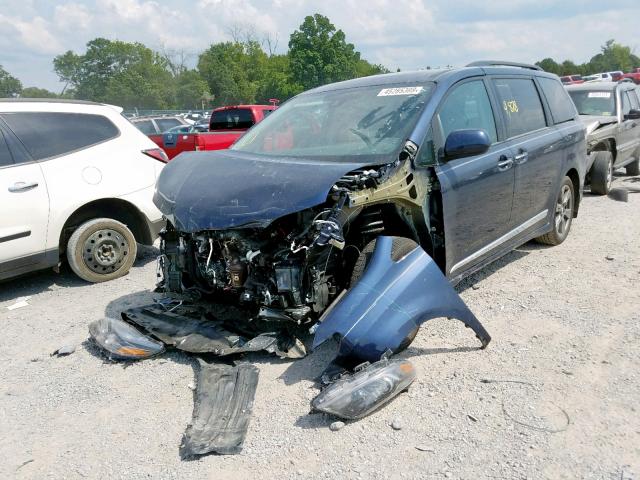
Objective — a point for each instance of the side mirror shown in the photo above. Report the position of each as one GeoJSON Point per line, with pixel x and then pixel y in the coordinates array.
{"type": "Point", "coordinates": [632, 115]}
{"type": "Point", "coordinates": [466, 143]}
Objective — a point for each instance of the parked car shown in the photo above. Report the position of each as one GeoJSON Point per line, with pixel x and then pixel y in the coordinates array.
{"type": "Point", "coordinates": [76, 180]}
{"type": "Point", "coordinates": [196, 127]}
{"type": "Point", "coordinates": [225, 126]}
{"type": "Point", "coordinates": [572, 80]}
{"type": "Point", "coordinates": [611, 113]}
{"type": "Point", "coordinates": [362, 201]}
{"type": "Point", "coordinates": [633, 75]}
{"type": "Point", "coordinates": [157, 125]}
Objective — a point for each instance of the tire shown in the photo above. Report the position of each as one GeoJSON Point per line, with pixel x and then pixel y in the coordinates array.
{"type": "Point", "coordinates": [634, 167]}
{"type": "Point", "coordinates": [101, 249]}
{"type": "Point", "coordinates": [563, 215]}
{"type": "Point", "coordinates": [602, 173]}
{"type": "Point", "coordinates": [400, 247]}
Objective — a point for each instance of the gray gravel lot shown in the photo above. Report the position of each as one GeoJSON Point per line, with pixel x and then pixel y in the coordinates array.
{"type": "Point", "coordinates": [565, 323]}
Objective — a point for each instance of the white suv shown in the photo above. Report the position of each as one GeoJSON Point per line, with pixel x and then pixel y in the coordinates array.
{"type": "Point", "coordinates": [76, 178]}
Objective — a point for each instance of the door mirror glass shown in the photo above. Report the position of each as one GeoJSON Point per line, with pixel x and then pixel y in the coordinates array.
{"type": "Point", "coordinates": [466, 143]}
{"type": "Point", "coordinates": [632, 115]}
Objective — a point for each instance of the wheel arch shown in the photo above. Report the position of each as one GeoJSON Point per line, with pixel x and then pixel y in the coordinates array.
{"type": "Point", "coordinates": [114, 208]}
{"type": "Point", "coordinates": [575, 180]}
{"type": "Point", "coordinates": [606, 145]}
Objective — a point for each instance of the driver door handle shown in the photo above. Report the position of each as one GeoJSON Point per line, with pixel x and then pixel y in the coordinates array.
{"type": "Point", "coordinates": [521, 157]}
{"type": "Point", "coordinates": [22, 186]}
{"type": "Point", "coordinates": [504, 163]}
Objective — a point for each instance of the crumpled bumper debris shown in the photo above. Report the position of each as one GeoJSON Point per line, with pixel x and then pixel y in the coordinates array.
{"type": "Point", "coordinates": [222, 410]}
{"type": "Point", "coordinates": [187, 329]}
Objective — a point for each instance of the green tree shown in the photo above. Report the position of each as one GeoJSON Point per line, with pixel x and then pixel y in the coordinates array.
{"type": "Point", "coordinates": [35, 92]}
{"type": "Point", "coordinates": [10, 86]}
{"type": "Point", "coordinates": [319, 54]}
{"type": "Point", "coordinates": [121, 73]}
{"type": "Point", "coordinates": [191, 89]}
{"type": "Point", "coordinates": [233, 71]}
{"type": "Point", "coordinates": [550, 65]}
{"type": "Point", "coordinates": [364, 69]}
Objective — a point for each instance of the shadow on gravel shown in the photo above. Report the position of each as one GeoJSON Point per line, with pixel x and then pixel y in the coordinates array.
{"type": "Point", "coordinates": [37, 282]}
{"type": "Point", "coordinates": [490, 269]}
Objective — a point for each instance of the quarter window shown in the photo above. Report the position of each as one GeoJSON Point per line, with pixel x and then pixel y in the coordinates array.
{"type": "Point", "coordinates": [146, 126]}
{"type": "Point", "coordinates": [165, 124]}
{"type": "Point", "coordinates": [633, 99]}
{"type": "Point", "coordinates": [562, 108]}
{"type": "Point", "coordinates": [5, 154]}
{"type": "Point", "coordinates": [468, 107]}
{"type": "Point", "coordinates": [49, 134]}
{"type": "Point", "coordinates": [521, 106]}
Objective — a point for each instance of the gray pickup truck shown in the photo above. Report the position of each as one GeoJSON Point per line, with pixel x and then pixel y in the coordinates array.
{"type": "Point", "coordinates": [611, 113]}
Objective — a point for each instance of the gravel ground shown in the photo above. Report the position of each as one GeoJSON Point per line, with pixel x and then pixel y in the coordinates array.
{"type": "Point", "coordinates": [555, 395]}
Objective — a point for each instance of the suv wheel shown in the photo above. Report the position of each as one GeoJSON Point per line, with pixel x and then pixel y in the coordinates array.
{"type": "Point", "coordinates": [602, 173]}
{"type": "Point", "coordinates": [563, 215]}
{"type": "Point", "coordinates": [634, 167]}
{"type": "Point", "coordinates": [101, 249]}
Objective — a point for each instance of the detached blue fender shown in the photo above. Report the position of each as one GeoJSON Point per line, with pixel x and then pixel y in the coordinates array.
{"type": "Point", "coordinates": [390, 301]}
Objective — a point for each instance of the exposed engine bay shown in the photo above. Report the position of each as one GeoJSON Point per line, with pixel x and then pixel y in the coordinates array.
{"type": "Point", "coordinates": [290, 271]}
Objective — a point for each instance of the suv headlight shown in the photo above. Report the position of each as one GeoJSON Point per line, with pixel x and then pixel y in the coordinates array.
{"type": "Point", "coordinates": [359, 394]}
{"type": "Point", "coordinates": [122, 340]}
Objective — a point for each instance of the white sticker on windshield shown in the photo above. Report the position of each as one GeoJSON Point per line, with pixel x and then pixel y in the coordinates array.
{"type": "Point", "coordinates": [599, 94]}
{"type": "Point", "coordinates": [388, 92]}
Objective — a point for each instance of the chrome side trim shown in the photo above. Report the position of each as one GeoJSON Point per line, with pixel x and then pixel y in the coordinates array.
{"type": "Point", "coordinates": [506, 237]}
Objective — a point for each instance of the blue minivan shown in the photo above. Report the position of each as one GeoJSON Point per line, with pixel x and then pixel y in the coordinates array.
{"type": "Point", "coordinates": [352, 208]}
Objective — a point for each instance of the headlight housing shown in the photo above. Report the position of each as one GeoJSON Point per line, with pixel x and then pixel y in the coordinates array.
{"type": "Point", "coordinates": [359, 394]}
{"type": "Point", "coordinates": [122, 340]}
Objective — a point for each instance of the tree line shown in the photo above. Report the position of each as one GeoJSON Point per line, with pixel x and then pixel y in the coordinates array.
{"type": "Point", "coordinates": [244, 70]}
{"type": "Point", "coordinates": [612, 57]}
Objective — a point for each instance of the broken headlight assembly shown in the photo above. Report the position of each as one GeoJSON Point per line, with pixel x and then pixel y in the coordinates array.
{"type": "Point", "coordinates": [357, 395]}
{"type": "Point", "coordinates": [123, 341]}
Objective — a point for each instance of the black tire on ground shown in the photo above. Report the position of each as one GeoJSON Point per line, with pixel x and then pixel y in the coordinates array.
{"type": "Point", "coordinates": [634, 167]}
{"type": "Point", "coordinates": [101, 249]}
{"type": "Point", "coordinates": [602, 173]}
{"type": "Point", "coordinates": [563, 215]}
{"type": "Point", "coordinates": [400, 247]}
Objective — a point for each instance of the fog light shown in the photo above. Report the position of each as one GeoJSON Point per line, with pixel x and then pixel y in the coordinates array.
{"type": "Point", "coordinates": [122, 340]}
{"type": "Point", "coordinates": [359, 394]}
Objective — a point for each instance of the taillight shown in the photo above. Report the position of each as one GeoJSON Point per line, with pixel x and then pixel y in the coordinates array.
{"type": "Point", "coordinates": [199, 143]}
{"type": "Point", "coordinates": [157, 154]}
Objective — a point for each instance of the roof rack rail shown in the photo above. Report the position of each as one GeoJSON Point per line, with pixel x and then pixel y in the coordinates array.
{"type": "Point", "coordinates": [500, 63]}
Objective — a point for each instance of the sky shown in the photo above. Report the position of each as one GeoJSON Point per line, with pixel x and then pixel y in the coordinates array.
{"type": "Point", "coordinates": [406, 34]}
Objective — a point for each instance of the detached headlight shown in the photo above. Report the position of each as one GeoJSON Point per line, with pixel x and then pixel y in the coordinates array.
{"type": "Point", "coordinates": [366, 390]}
{"type": "Point", "coordinates": [122, 340]}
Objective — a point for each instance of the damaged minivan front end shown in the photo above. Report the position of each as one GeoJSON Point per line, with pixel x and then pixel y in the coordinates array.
{"type": "Point", "coordinates": [315, 222]}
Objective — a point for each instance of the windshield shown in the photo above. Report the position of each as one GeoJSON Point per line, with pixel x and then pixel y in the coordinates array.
{"type": "Point", "coordinates": [372, 120]}
{"type": "Point", "coordinates": [600, 103]}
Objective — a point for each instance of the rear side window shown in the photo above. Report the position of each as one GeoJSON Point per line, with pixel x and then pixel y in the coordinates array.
{"type": "Point", "coordinates": [562, 108]}
{"type": "Point", "coordinates": [165, 124]}
{"type": "Point", "coordinates": [232, 119]}
{"type": "Point", "coordinates": [5, 154]}
{"type": "Point", "coordinates": [521, 105]}
{"type": "Point", "coordinates": [49, 134]}
{"type": "Point", "coordinates": [468, 107]}
{"type": "Point", "coordinates": [626, 104]}
{"type": "Point", "coordinates": [146, 126]}
{"type": "Point", "coordinates": [633, 99]}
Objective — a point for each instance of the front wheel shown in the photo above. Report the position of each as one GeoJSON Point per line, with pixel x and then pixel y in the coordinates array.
{"type": "Point", "coordinates": [563, 215]}
{"type": "Point", "coordinates": [101, 249]}
{"type": "Point", "coordinates": [602, 173]}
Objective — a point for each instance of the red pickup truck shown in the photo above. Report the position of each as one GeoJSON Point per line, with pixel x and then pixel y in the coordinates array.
{"type": "Point", "coordinates": [634, 75]}
{"type": "Point", "coordinates": [226, 125]}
